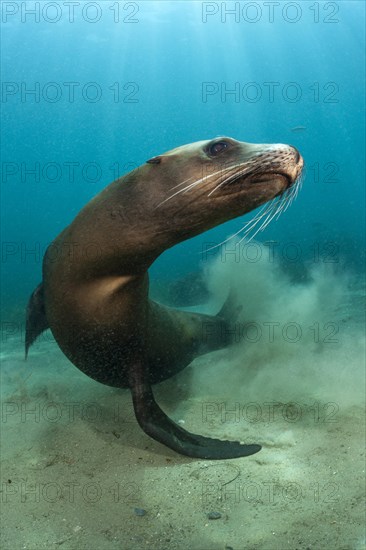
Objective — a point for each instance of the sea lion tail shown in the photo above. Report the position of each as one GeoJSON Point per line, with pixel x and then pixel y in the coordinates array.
{"type": "Point", "coordinates": [36, 320]}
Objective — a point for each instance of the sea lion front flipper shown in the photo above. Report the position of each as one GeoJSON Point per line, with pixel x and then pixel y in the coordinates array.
{"type": "Point", "coordinates": [160, 427]}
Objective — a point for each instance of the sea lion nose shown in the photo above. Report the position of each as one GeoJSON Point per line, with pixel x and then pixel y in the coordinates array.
{"type": "Point", "coordinates": [297, 154]}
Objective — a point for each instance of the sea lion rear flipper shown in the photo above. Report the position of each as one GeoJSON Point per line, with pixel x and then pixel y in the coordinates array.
{"type": "Point", "coordinates": [230, 310]}
{"type": "Point", "coordinates": [160, 427]}
{"type": "Point", "coordinates": [36, 320]}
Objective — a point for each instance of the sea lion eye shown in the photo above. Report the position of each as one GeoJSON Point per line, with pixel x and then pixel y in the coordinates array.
{"type": "Point", "coordinates": [217, 148]}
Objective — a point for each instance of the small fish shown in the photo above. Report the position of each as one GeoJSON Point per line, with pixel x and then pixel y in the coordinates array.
{"type": "Point", "coordinates": [298, 128]}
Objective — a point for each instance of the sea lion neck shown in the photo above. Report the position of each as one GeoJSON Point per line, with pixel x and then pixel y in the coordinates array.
{"type": "Point", "coordinates": [113, 234]}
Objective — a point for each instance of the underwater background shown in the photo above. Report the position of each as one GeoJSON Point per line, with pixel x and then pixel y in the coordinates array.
{"type": "Point", "coordinates": [91, 90]}
{"type": "Point", "coordinates": [125, 81]}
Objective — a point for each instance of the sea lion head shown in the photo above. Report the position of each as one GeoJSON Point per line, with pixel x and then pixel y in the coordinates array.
{"type": "Point", "coordinates": [198, 186]}
{"type": "Point", "coordinates": [180, 194]}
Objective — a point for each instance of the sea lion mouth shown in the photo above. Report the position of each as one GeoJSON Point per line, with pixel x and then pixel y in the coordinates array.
{"type": "Point", "coordinates": [287, 180]}
{"type": "Point", "coordinates": [284, 179]}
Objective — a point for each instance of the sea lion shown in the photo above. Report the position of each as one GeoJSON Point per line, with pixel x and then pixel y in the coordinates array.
{"type": "Point", "coordinates": [94, 294]}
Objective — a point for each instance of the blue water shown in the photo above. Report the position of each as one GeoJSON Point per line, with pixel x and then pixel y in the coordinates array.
{"type": "Point", "coordinates": [160, 55]}
{"type": "Point", "coordinates": [88, 96]}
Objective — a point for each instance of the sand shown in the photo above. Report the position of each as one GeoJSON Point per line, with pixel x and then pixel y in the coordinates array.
{"type": "Point", "coordinates": [78, 472]}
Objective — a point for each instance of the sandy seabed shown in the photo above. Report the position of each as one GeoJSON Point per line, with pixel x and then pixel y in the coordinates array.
{"type": "Point", "coordinates": [77, 471]}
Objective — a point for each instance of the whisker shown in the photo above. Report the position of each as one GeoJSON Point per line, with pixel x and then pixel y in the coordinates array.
{"type": "Point", "coordinates": [247, 172]}
{"type": "Point", "coordinates": [269, 217]}
{"type": "Point", "coordinates": [266, 214]}
{"type": "Point", "coordinates": [181, 183]}
{"type": "Point", "coordinates": [200, 180]}
{"type": "Point", "coordinates": [265, 209]}
{"type": "Point", "coordinates": [219, 185]}
{"type": "Point", "coordinates": [252, 223]}
{"type": "Point", "coordinates": [190, 186]}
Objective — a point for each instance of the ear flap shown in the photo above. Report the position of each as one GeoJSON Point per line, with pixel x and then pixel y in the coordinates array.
{"type": "Point", "coordinates": [154, 160]}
